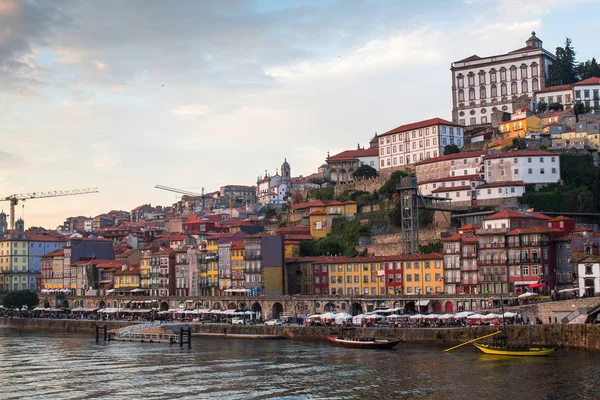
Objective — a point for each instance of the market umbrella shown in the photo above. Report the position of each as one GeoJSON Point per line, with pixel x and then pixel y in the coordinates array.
{"type": "Point", "coordinates": [447, 316]}
{"type": "Point", "coordinates": [328, 316]}
{"type": "Point", "coordinates": [342, 317]}
{"type": "Point", "coordinates": [475, 316]}
{"type": "Point", "coordinates": [509, 314]}
{"type": "Point", "coordinates": [492, 316]}
{"type": "Point", "coordinates": [375, 316]}
{"type": "Point", "coordinates": [526, 295]}
{"type": "Point", "coordinates": [416, 316]}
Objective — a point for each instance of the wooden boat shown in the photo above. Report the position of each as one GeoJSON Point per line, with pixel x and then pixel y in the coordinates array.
{"type": "Point", "coordinates": [506, 351]}
{"type": "Point", "coordinates": [363, 343]}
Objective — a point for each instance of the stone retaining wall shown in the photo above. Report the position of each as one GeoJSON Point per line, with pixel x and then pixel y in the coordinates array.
{"type": "Point", "coordinates": [576, 336]}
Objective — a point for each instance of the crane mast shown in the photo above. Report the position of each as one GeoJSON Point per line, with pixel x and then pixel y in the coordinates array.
{"type": "Point", "coordinates": [15, 198]}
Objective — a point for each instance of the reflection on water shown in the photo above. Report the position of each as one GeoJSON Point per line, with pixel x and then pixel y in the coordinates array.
{"type": "Point", "coordinates": [66, 366]}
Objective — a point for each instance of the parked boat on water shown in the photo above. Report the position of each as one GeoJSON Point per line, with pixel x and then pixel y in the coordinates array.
{"type": "Point", "coordinates": [506, 351]}
{"type": "Point", "coordinates": [364, 342]}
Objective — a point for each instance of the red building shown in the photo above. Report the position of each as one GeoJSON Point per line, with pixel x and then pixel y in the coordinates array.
{"type": "Point", "coordinates": [393, 275]}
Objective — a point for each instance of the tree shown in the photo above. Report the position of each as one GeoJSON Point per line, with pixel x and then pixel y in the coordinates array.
{"type": "Point", "coordinates": [269, 212]}
{"type": "Point", "coordinates": [319, 181]}
{"type": "Point", "coordinates": [297, 198]}
{"type": "Point", "coordinates": [20, 298]}
{"type": "Point", "coordinates": [389, 187]}
{"type": "Point", "coordinates": [365, 171]}
{"type": "Point", "coordinates": [588, 69]}
{"type": "Point", "coordinates": [562, 70]}
{"type": "Point", "coordinates": [542, 107]}
{"type": "Point", "coordinates": [556, 107]}
{"type": "Point", "coordinates": [578, 109]}
{"type": "Point", "coordinates": [451, 149]}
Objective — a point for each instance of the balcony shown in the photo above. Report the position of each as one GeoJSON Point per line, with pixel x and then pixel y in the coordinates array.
{"type": "Point", "coordinates": [469, 282]}
{"type": "Point", "coordinates": [469, 268]}
{"type": "Point", "coordinates": [469, 255]}
{"type": "Point", "coordinates": [492, 262]}
{"type": "Point", "coordinates": [224, 276]}
{"type": "Point", "coordinates": [252, 257]}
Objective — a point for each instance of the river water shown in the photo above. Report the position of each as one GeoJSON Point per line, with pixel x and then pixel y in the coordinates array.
{"type": "Point", "coordinates": [67, 366]}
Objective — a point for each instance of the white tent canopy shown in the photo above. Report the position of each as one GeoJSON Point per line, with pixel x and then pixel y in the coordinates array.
{"type": "Point", "coordinates": [526, 295]}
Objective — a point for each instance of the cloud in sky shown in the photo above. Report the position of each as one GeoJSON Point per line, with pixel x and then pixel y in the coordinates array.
{"type": "Point", "coordinates": [207, 93]}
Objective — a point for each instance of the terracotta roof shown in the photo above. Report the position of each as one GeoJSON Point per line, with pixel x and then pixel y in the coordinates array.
{"type": "Point", "coordinates": [470, 154]}
{"type": "Point", "coordinates": [560, 218]}
{"type": "Point", "coordinates": [354, 154]}
{"type": "Point", "coordinates": [302, 206]}
{"type": "Point", "coordinates": [524, 49]}
{"type": "Point", "coordinates": [55, 253]}
{"type": "Point", "coordinates": [501, 184]}
{"type": "Point", "coordinates": [539, 215]}
{"type": "Point", "coordinates": [589, 81]}
{"type": "Point", "coordinates": [474, 57]}
{"type": "Point", "coordinates": [454, 238]}
{"type": "Point", "coordinates": [524, 153]}
{"type": "Point", "coordinates": [131, 270]}
{"type": "Point", "coordinates": [341, 259]}
{"type": "Point", "coordinates": [451, 189]}
{"type": "Point", "coordinates": [535, 229]}
{"type": "Point", "coordinates": [317, 213]}
{"type": "Point", "coordinates": [509, 214]}
{"type": "Point", "coordinates": [469, 227]}
{"type": "Point", "coordinates": [420, 124]}
{"type": "Point", "coordinates": [453, 178]}
{"type": "Point", "coordinates": [555, 88]}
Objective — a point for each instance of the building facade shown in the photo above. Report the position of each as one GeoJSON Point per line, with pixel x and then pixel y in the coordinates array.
{"type": "Point", "coordinates": [409, 144]}
{"type": "Point", "coordinates": [482, 85]}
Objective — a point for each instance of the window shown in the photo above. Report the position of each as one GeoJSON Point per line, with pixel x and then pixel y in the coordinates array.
{"type": "Point", "coordinates": [460, 80]}
{"type": "Point", "coordinates": [494, 91]}
{"type": "Point", "coordinates": [482, 78]}
{"type": "Point", "coordinates": [513, 88]}
{"type": "Point", "coordinates": [471, 79]}
{"type": "Point", "coordinates": [471, 94]}
{"type": "Point", "coordinates": [502, 74]}
{"type": "Point", "coordinates": [417, 277]}
{"type": "Point", "coordinates": [461, 95]}
{"type": "Point", "coordinates": [409, 278]}
{"type": "Point", "coordinates": [553, 159]}
{"type": "Point", "coordinates": [524, 87]}
{"type": "Point", "coordinates": [535, 85]}
{"type": "Point", "coordinates": [516, 172]}
{"type": "Point", "coordinates": [503, 91]}
{"type": "Point", "coordinates": [482, 92]}
{"type": "Point", "coordinates": [530, 171]}
{"type": "Point", "coordinates": [554, 170]}
{"type": "Point", "coordinates": [578, 94]}
{"type": "Point", "coordinates": [529, 160]}
{"type": "Point", "coordinates": [523, 71]}
{"type": "Point", "coordinates": [534, 69]}
{"type": "Point", "coordinates": [513, 73]}
{"type": "Point", "coordinates": [493, 76]}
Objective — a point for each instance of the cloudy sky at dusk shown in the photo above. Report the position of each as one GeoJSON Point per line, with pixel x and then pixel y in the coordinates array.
{"type": "Point", "coordinates": [127, 94]}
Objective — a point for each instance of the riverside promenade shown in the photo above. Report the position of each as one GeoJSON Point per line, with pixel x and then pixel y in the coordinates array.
{"type": "Point", "coordinates": [572, 336]}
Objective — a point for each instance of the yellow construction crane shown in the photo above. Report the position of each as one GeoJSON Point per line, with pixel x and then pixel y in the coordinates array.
{"type": "Point", "coordinates": [15, 198]}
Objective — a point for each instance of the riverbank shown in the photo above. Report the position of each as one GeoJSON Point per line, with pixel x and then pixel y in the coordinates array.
{"type": "Point", "coordinates": [575, 336]}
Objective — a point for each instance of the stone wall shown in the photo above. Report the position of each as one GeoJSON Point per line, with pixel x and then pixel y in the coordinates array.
{"type": "Point", "coordinates": [578, 336]}
{"type": "Point", "coordinates": [366, 185]}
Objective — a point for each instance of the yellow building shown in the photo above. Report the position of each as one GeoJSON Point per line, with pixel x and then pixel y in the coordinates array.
{"type": "Point", "coordinates": [351, 276]}
{"type": "Point", "coordinates": [212, 265]}
{"type": "Point", "coordinates": [520, 126]}
{"type": "Point", "coordinates": [145, 256]}
{"type": "Point", "coordinates": [127, 278]}
{"type": "Point", "coordinates": [321, 217]}
{"type": "Point", "coordinates": [238, 280]}
{"type": "Point", "coordinates": [423, 274]}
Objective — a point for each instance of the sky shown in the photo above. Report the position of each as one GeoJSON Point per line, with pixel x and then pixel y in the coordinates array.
{"type": "Point", "coordinates": [124, 95]}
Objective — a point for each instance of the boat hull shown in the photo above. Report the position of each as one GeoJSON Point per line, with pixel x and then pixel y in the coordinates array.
{"type": "Point", "coordinates": [357, 344]}
{"type": "Point", "coordinates": [499, 351]}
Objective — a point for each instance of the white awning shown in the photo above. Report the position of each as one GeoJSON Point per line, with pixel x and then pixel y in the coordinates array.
{"type": "Point", "coordinates": [521, 283]}
{"type": "Point", "coordinates": [423, 302]}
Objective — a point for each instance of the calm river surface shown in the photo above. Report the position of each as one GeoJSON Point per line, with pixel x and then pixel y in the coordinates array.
{"type": "Point", "coordinates": [66, 366]}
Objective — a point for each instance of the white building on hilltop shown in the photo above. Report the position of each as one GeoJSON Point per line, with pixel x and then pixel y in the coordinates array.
{"type": "Point", "coordinates": [481, 85]}
{"type": "Point", "coordinates": [408, 144]}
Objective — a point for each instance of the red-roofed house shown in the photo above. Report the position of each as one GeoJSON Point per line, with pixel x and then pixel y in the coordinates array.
{"type": "Point", "coordinates": [460, 261]}
{"type": "Point", "coordinates": [342, 165]}
{"type": "Point", "coordinates": [561, 94]}
{"type": "Point", "coordinates": [587, 92]}
{"type": "Point", "coordinates": [482, 85]}
{"type": "Point", "coordinates": [409, 144]}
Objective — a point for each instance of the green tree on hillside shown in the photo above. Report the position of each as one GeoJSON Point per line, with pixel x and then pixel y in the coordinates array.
{"type": "Point", "coordinates": [365, 171]}
{"type": "Point", "coordinates": [451, 149]}
{"type": "Point", "coordinates": [588, 69]}
{"type": "Point", "coordinates": [562, 70]}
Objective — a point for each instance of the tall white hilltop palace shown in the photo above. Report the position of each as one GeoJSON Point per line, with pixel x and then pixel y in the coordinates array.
{"type": "Point", "coordinates": [481, 85]}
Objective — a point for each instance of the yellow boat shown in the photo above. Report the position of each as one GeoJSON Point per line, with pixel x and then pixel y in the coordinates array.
{"type": "Point", "coordinates": [503, 351]}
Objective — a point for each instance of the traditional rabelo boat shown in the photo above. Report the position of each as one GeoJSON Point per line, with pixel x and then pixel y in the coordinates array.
{"type": "Point", "coordinates": [349, 338]}
{"type": "Point", "coordinates": [507, 351]}
{"type": "Point", "coordinates": [363, 342]}
{"type": "Point", "coordinates": [501, 347]}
